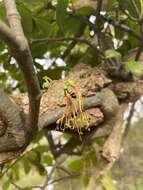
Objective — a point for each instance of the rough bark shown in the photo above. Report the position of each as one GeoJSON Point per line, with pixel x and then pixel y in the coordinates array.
{"type": "Point", "coordinates": [100, 96]}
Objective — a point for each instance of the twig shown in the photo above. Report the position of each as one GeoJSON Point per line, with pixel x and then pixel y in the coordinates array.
{"type": "Point", "coordinates": [63, 178]}
{"type": "Point", "coordinates": [97, 24]}
{"type": "Point", "coordinates": [16, 186]}
{"type": "Point", "coordinates": [52, 145]}
{"type": "Point", "coordinates": [62, 39]}
{"type": "Point", "coordinates": [127, 14]}
{"type": "Point", "coordinates": [69, 146]}
{"type": "Point", "coordinates": [122, 27]}
{"type": "Point", "coordinates": [98, 9]}
{"type": "Point", "coordinates": [138, 54]}
{"type": "Point", "coordinates": [135, 8]}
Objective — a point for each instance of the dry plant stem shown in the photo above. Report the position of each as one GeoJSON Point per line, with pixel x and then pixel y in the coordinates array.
{"type": "Point", "coordinates": [25, 61]}
{"type": "Point", "coordinates": [111, 149]}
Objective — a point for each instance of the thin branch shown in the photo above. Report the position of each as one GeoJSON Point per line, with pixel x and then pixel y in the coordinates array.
{"type": "Point", "coordinates": [98, 9]}
{"type": "Point", "coordinates": [69, 146]}
{"type": "Point", "coordinates": [122, 27]}
{"type": "Point", "coordinates": [16, 186]}
{"type": "Point", "coordinates": [97, 24]}
{"type": "Point", "coordinates": [60, 39]}
{"type": "Point", "coordinates": [135, 8]}
{"type": "Point", "coordinates": [127, 13]}
{"type": "Point", "coordinates": [7, 35]}
{"type": "Point", "coordinates": [24, 58]}
{"type": "Point", "coordinates": [139, 51]}
{"type": "Point", "coordinates": [52, 145]}
{"type": "Point", "coordinates": [63, 178]}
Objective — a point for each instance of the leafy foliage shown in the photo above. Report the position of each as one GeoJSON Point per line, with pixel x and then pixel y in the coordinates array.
{"type": "Point", "coordinates": [58, 30]}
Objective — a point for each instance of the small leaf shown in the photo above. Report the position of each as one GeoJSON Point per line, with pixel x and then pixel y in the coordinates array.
{"type": "Point", "coordinates": [110, 53]}
{"type": "Point", "coordinates": [85, 11]}
{"type": "Point", "coordinates": [76, 165]}
{"type": "Point", "coordinates": [135, 67]}
{"type": "Point", "coordinates": [85, 180]}
{"type": "Point", "coordinates": [47, 159]}
{"type": "Point", "coordinates": [16, 172]}
{"type": "Point", "coordinates": [61, 13]}
{"type": "Point", "coordinates": [38, 137]}
{"type": "Point", "coordinates": [26, 17]}
{"type": "Point", "coordinates": [41, 148]}
{"type": "Point", "coordinates": [108, 183]}
{"type": "Point", "coordinates": [2, 12]}
{"type": "Point", "coordinates": [26, 166]}
{"type": "Point", "coordinates": [6, 185]}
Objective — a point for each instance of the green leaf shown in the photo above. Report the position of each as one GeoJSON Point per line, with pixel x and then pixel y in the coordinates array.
{"type": "Point", "coordinates": [16, 172]}
{"type": "Point", "coordinates": [135, 67]}
{"type": "Point", "coordinates": [85, 180]}
{"type": "Point", "coordinates": [110, 53]}
{"type": "Point", "coordinates": [108, 183]}
{"type": "Point", "coordinates": [6, 185]}
{"type": "Point", "coordinates": [139, 186]}
{"type": "Point", "coordinates": [61, 13]}
{"type": "Point", "coordinates": [41, 148]}
{"type": "Point", "coordinates": [26, 18]}
{"type": "Point", "coordinates": [85, 11]}
{"type": "Point", "coordinates": [47, 159]}
{"type": "Point", "coordinates": [34, 4]}
{"type": "Point", "coordinates": [2, 12]}
{"type": "Point", "coordinates": [26, 165]}
{"type": "Point", "coordinates": [71, 21]}
{"type": "Point", "coordinates": [76, 165]}
{"type": "Point", "coordinates": [38, 137]}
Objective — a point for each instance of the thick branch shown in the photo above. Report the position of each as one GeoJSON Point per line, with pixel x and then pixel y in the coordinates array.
{"type": "Point", "coordinates": [99, 102]}
{"type": "Point", "coordinates": [49, 118]}
{"type": "Point", "coordinates": [21, 52]}
{"type": "Point", "coordinates": [10, 114]}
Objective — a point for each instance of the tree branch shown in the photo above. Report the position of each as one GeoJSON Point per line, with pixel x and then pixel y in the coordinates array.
{"type": "Point", "coordinates": [121, 27]}
{"type": "Point", "coordinates": [10, 113]}
{"type": "Point", "coordinates": [61, 39]}
{"type": "Point", "coordinates": [21, 52]}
